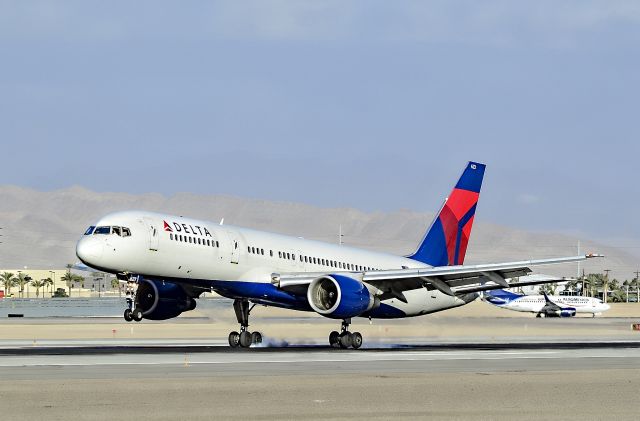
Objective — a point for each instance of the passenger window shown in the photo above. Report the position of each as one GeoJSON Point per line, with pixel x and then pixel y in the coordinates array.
{"type": "Point", "coordinates": [217, 244]}
{"type": "Point", "coordinates": [89, 230]}
{"type": "Point", "coordinates": [271, 253]}
{"type": "Point", "coordinates": [170, 236]}
{"type": "Point", "coordinates": [280, 254]}
{"type": "Point", "coordinates": [262, 252]}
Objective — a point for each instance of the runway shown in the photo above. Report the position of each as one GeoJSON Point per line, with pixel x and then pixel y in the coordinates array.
{"type": "Point", "coordinates": [385, 383]}
{"type": "Point", "coordinates": [445, 367]}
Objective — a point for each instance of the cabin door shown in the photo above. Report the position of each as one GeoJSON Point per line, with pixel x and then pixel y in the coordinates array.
{"type": "Point", "coordinates": [154, 234]}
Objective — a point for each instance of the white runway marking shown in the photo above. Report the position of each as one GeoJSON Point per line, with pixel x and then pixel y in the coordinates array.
{"type": "Point", "coordinates": [298, 358]}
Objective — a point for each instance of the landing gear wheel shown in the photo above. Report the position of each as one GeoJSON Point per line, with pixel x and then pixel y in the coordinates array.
{"type": "Point", "coordinates": [345, 340]}
{"type": "Point", "coordinates": [234, 339]}
{"type": "Point", "coordinates": [127, 315]}
{"type": "Point", "coordinates": [136, 314]}
{"type": "Point", "coordinates": [334, 339]}
{"type": "Point", "coordinates": [356, 340]}
{"type": "Point", "coordinates": [245, 339]}
{"type": "Point", "coordinates": [256, 338]}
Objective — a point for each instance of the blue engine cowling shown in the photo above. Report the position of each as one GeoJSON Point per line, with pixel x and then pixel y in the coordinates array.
{"type": "Point", "coordinates": [564, 312]}
{"type": "Point", "coordinates": [340, 297]}
{"type": "Point", "coordinates": [567, 312]}
{"type": "Point", "coordinates": [160, 300]}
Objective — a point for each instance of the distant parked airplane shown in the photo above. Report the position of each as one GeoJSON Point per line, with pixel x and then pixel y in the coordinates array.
{"type": "Point", "coordinates": [545, 306]}
{"type": "Point", "coordinates": [174, 260]}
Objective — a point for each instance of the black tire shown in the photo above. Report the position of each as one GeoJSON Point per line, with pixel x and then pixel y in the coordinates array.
{"type": "Point", "coordinates": [345, 340]}
{"type": "Point", "coordinates": [136, 314]}
{"type": "Point", "coordinates": [356, 340]}
{"type": "Point", "coordinates": [334, 339]}
{"type": "Point", "coordinates": [234, 339]}
{"type": "Point", "coordinates": [127, 315]}
{"type": "Point", "coordinates": [245, 339]}
{"type": "Point", "coordinates": [256, 338]}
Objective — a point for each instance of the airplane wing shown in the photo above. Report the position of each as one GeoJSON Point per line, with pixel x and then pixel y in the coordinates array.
{"type": "Point", "coordinates": [549, 305]}
{"type": "Point", "coordinates": [450, 280]}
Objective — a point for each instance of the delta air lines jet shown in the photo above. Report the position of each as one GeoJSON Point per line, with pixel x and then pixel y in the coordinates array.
{"type": "Point", "coordinates": [172, 260]}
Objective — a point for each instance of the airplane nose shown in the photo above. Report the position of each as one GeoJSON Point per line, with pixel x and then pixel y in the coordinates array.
{"type": "Point", "coordinates": [89, 250]}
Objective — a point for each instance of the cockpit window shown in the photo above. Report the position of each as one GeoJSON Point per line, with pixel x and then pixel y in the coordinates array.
{"type": "Point", "coordinates": [89, 230]}
{"type": "Point", "coordinates": [102, 230]}
{"type": "Point", "coordinates": [116, 230]}
{"type": "Point", "coordinates": [126, 232]}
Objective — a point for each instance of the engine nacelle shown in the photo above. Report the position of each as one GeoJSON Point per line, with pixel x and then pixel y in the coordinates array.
{"type": "Point", "coordinates": [160, 300]}
{"type": "Point", "coordinates": [565, 312]}
{"type": "Point", "coordinates": [340, 297]}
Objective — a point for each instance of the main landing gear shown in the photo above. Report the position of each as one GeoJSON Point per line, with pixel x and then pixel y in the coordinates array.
{"type": "Point", "coordinates": [131, 313]}
{"type": "Point", "coordinates": [345, 339]}
{"type": "Point", "coordinates": [245, 338]}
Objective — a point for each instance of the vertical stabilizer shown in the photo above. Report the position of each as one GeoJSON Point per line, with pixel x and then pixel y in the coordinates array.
{"type": "Point", "coordinates": [445, 243]}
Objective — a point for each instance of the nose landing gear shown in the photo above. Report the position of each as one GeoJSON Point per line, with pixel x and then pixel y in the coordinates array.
{"type": "Point", "coordinates": [345, 339]}
{"type": "Point", "coordinates": [245, 338]}
{"type": "Point", "coordinates": [131, 313]}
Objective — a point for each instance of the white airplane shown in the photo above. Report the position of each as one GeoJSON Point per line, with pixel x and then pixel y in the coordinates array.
{"type": "Point", "coordinates": [173, 260]}
{"type": "Point", "coordinates": [545, 306]}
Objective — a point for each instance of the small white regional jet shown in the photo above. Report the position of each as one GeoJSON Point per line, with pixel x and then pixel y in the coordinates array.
{"type": "Point", "coordinates": [173, 260]}
{"type": "Point", "coordinates": [545, 306]}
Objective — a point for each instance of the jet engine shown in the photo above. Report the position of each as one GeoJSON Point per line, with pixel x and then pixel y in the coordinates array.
{"type": "Point", "coordinates": [160, 300]}
{"type": "Point", "coordinates": [340, 297]}
{"type": "Point", "coordinates": [564, 312]}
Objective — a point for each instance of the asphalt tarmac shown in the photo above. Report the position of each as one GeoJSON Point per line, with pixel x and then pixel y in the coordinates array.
{"type": "Point", "coordinates": [567, 381]}
{"type": "Point", "coordinates": [471, 363]}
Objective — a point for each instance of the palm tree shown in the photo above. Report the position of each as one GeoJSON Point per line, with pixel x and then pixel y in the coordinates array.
{"type": "Point", "coordinates": [8, 280]}
{"type": "Point", "coordinates": [635, 283]}
{"type": "Point", "coordinates": [67, 278]}
{"type": "Point", "coordinates": [627, 284]}
{"type": "Point", "coordinates": [22, 280]}
{"type": "Point", "coordinates": [572, 286]}
{"type": "Point", "coordinates": [48, 283]}
{"type": "Point", "coordinates": [593, 281]}
{"type": "Point", "coordinates": [77, 279]}
{"type": "Point", "coordinates": [38, 284]}
{"type": "Point", "coordinates": [549, 289]}
{"type": "Point", "coordinates": [115, 283]}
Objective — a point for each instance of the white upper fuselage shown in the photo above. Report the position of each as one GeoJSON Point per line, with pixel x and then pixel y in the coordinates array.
{"type": "Point", "coordinates": [166, 246]}
{"type": "Point", "coordinates": [535, 303]}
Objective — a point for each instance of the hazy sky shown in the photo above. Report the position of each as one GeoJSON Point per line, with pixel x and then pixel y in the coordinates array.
{"type": "Point", "coordinates": [375, 105]}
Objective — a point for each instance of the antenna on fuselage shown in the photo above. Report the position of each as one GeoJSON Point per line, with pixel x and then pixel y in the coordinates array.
{"type": "Point", "coordinates": [340, 235]}
{"type": "Point", "coordinates": [222, 221]}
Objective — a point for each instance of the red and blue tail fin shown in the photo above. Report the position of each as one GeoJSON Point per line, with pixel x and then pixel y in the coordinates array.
{"type": "Point", "coordinates": [445, 243]}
